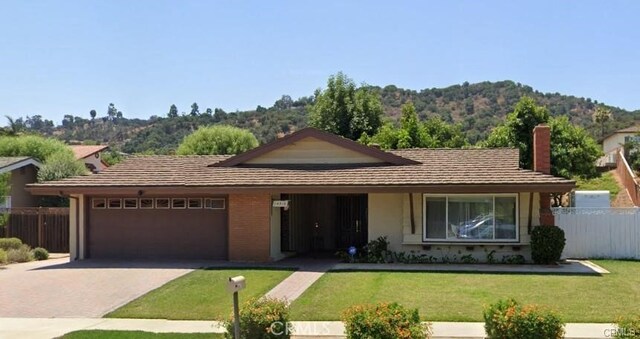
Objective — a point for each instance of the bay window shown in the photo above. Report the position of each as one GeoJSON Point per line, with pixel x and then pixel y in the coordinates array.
{"type": "Point", "coordinates": [470, 218]}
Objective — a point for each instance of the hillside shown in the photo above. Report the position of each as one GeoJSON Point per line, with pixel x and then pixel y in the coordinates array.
{"type": "Point", "coordinates": [477, 107]}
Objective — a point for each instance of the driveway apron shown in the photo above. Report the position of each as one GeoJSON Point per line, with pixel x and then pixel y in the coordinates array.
{"type": "Point", "coordinates": [59, 288]}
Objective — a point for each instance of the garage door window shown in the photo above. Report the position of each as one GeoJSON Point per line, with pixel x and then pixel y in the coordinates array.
{"type": "Point", "coordinates": [179, 203]}
{"type": "Point", "coordinates": [195, 203]}
{"type": "Point", "coordinates": [130, 203]}
{"type": "Point", "coordinates": [214, 204]}
{"type": "Point", "coordinates": [162, 203]}
{"type": "Point", "coordinates": [146, 203]}
{"type": "Point", "coordinates": [115, 203]}
{"type": "Point", "coordinates": [99, 203]}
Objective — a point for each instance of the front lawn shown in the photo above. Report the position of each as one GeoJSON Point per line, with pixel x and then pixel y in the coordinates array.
{"type": "Point", "coordinates": [99, 334]}
{"type": "Point", "coordinates": [200, 295]}
{"type": "Point", "coordinates": [463, 296]}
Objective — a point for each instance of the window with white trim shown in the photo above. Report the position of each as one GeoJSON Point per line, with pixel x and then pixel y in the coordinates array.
{"type": "Point", "coordinates": [214, 203]}
{"type": "Point", "coordinates": [470, 218]}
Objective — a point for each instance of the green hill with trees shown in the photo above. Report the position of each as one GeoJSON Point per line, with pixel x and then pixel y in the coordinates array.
{"type": "Point", "coordinates": [478, 108]}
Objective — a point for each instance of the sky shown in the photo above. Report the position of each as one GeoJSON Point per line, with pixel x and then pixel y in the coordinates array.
{"type": "Point", "coordinates": [69, 57]}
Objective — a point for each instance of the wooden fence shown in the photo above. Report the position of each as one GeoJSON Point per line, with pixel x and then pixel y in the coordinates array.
{"type": "Point", "coordinates": [600, 232]}
{"type": "Point", "coordinates": [46, 227]}
{"type": "Point", "coordinates": [628, 177]}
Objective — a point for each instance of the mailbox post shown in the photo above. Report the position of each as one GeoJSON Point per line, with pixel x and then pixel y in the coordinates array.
{"type": "Point", "coordinates": [234, 285]}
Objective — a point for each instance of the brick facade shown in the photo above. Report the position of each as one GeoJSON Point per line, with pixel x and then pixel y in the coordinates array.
{"type": "Point", "coordinates": [249, 227]}
{"type": "Point", "coordinates": [542, 163]}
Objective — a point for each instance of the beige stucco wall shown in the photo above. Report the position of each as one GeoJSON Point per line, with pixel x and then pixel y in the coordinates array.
{"type": "Point", "coordinates": [19, 178]}
{"type": "Point", "coordinates": [313, 151]}
{"type": "Point", "coordinates": [389, 215]}
{"type": "Point", "coordinates": [614, 141]}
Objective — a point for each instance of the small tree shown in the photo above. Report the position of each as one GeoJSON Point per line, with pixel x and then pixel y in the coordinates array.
{"type": "Point", "coordinates": [219, 139]}
{"type": "Point", "coordinates": [346, 110]}
{"type": "Point", "coordinates": [601, 116]}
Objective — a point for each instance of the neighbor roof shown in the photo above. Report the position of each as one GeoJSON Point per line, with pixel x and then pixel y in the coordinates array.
{"type": "Point", "coordinates": [481, 169]}
{"type": "Point", "coordinates": [8, 164]}
{"type": "Point", "coordinates": [632, 129]}
{"type": "Point", "coordinates": [83, 151]}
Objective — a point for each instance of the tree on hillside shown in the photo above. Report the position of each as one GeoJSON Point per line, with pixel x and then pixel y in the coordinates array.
{"type": "Point", "coordinates": [93, 113]}
{"type": "Point", "coordinates": [573, 151]}
{"type": "Point", "coordinates": [173, 112]}
{"type": "Point", "coordinates": [112, 112]}
{"type": "Point", "coordinates": [517, 130]}
{"type": "Point", "coordinates": [433, 133]}
{"type": "Point", "coordinates": [218, 139]}
{"type": "Point", "coordinates": [346, 110]}
{"type": "Point", "coordinates": [601, 116]}
{"type": "Point", "coordinates": [195, 110]}
{"type": "Point", "coordinates": [57, 158]}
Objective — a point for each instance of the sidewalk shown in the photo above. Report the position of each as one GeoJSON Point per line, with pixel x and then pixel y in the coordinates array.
{"type": "Point", "coordinates": [41, 328]}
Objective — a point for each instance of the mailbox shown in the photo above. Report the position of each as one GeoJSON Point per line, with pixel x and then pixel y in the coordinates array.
{"type": "Point", "coordinates": [236, 284]}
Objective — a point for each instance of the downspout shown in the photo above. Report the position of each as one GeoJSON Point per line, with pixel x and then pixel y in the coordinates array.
{"type": "Point", "coordinates": [77, 223]}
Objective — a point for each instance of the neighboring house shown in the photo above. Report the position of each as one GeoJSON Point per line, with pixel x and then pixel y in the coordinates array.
{"type": "Point", "coordinates": [612, 142]}
{"type": "Point", "coordinates": [24, 170]}
{"type": "Point", "coordinates": [311, 191]}
{"type": "Point", "coordinates": [91, 155]}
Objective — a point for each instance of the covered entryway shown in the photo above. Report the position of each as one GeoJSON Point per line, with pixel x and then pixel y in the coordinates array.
{"type": "Point", "coordinates": [157, 228]}
{"type": "Point", "coordinates": [323, 222]}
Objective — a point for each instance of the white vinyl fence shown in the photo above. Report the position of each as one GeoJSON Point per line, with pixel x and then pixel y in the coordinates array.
{"type": "Point", "coordinates": [600, 232]}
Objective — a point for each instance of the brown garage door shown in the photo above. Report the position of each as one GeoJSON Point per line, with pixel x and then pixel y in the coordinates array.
{"type": "Point", "coordinates": [148, 228]}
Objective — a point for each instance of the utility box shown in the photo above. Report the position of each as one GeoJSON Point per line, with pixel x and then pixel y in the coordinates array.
{"type": "Point", "coordinates": [590, 199]}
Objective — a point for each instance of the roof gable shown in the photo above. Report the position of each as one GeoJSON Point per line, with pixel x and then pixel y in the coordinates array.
{"type": "Point", "coordinates": [8, 164]}
{"type": "Point", "coordinates": [312, 146]}
{"type": "Point", "coordinates": [83, 151]}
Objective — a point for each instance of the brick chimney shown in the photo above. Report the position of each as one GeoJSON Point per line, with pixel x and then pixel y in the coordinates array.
{"type": "Point", "coordinates": [542, 164]}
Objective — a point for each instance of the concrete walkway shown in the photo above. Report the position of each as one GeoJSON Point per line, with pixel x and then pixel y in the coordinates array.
{"type": "Point", "coordinates": [41, 328]}
{"type": "Point", "coordinates": [309, 271]}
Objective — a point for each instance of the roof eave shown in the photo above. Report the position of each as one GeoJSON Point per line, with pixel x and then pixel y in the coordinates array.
{"type": "Point", "coordinates": [43, 189]}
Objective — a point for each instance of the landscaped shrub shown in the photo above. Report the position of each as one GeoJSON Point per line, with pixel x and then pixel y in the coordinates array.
{"type": "Point", "coordinates": [22, 254]}
{"type": "Point", "coordinates": [547, 243]}
{"type": "Point", "coordinates": [384, 321]}
{"type": "Point", "coordinates": [262, 318]}
{"type": "Point", "coordinates": [507, 319]}
{"type": "Point", "coordinates": [628, 328]}
{"type": "Point", "coordinates": [3, 257]}
{"type": "Point", "coordinates": [10, 243]}
{"type": "Point", "coordinates": [40, 253]}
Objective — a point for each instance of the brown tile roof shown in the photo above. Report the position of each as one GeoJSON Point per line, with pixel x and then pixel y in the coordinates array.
{"type": "Point", "coordinates": [83, 151]}
{"type": "Point", "coordinates": [436, 167]}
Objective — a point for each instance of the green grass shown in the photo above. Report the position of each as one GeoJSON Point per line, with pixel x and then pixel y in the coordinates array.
{"type": "Point", "coordinates": [200, 295]}
{"type": "Point", "coordinates": [605, 182]}
{"type": "Point", "coordinates": [99, 334]}
{"type": "Point", "coordinates": [463, 296]}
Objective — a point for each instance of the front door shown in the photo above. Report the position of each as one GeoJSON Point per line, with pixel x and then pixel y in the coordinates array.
{"type": "Point", "coordinates": [351, 220]}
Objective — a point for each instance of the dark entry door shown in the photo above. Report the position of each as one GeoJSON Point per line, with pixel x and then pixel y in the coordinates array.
{"type": "Point", "coordinates": [351, 220]}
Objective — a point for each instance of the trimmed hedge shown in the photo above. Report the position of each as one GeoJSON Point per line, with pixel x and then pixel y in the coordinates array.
{"type": "Point", "coordinates": [22, 254]}
{"type": "Point", "coordinates": [264, 318]}
{"type": "Point", "coordinates": [3, 257]}
{"type": "Point", "coordinates": [384, 321]}
{"type": "Point", "coordinates": [547, 244]}
{"type": "Point", "coordinates": [40, 253]}
{"type": "Point", "coordinates": [507, 319]}
{"type": "Point", "coordinates": [10, 243]}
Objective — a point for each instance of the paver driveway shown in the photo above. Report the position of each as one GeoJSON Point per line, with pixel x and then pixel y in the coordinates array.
{"type": "Point", "coordinates": [58, 288]}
